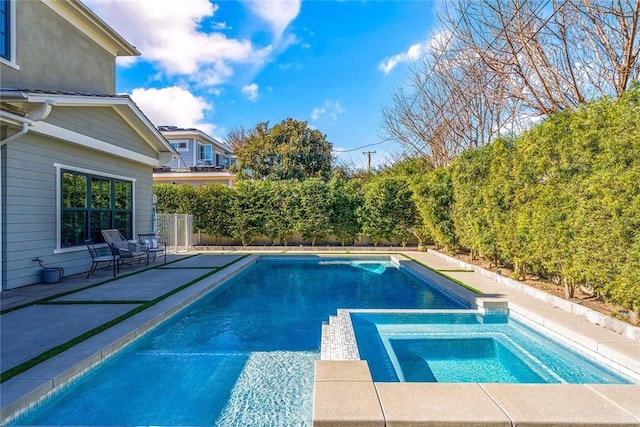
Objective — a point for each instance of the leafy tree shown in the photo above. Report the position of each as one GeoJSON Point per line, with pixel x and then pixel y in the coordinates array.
{"type": "Point", "coordinates": [433, 197]}
{"type": "Point", "coordinates": [171, 199]}
{"type": "Point", "coordinates": [213, 210]}
{"type": "Point", "coordinates": [388, 211]}
{"type": "Point", "coordinates": [315, 210]}
{"type": "Point", "coordinates": [346, 197]}
{"type": "Point", "coordinates": [470, 175]}
{"type": "Point", "coordinates": [289, 150]}
{"type": "Point", "coordinates": [283, 201]}
{"type": "Point", "coordinates": [248, 211]}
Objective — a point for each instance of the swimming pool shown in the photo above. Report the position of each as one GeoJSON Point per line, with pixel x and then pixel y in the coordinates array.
{"type": "Point", "coordinates": [457, 347]}
{"type": "Point", "coordinates": [243, 354]}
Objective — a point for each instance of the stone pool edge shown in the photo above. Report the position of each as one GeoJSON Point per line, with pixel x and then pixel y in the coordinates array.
{"type": "Point", "coordinates": [345, 394]}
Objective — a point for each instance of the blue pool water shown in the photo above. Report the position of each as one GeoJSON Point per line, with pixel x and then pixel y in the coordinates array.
{"type": "Point", "coordinates": [468, 347]}
{"type": "Point", "coordinates": [242, 355]}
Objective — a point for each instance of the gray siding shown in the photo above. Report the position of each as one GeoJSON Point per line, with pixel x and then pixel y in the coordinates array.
{"type": "Point", "coordinates": [102, 123]}
{"type": "Point", "coordinates": [57, 56]}
{"type": "Point", "coordinates": [30, 215]}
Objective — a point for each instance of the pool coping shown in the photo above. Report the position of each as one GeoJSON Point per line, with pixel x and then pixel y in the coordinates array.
{"type": "Point", "coordinates": [345, 394]}
{"type": "Point", "coordinates": [589, 314]}
{"type": "Point", "coordinates": [33, 386]}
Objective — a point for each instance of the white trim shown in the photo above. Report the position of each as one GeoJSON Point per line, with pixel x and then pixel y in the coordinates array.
{"type": "Point", "coordinates": [179, 142]}
{"type": "Point", "coordinates": [123, 106]}
{"type": "Point", "coordinates": [66, 135]}
{"type": "Point", "coordinates": [93, 172]}
{"type": "Point", "coordinates": [11, 62]}
{"type": "Point", "coordinates": [59, 167]}
{"type": "Point", "coordinates": [200, 144]}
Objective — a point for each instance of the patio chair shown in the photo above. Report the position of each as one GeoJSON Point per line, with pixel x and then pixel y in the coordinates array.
{"type": "Point", "coordinates": [128, 250]}
{"type": "Point", "coordinates": [98, 256]}
{"type": "Point", "coordinates": [155, 246]}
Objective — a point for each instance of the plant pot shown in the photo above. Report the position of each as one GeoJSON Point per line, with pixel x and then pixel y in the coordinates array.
{"type": "Point", "coordinates": [422, 247]}
{"type": "Point", "coordinates": [52, 275]}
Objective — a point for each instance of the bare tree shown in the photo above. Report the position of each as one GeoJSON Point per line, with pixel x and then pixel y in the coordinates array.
{"type": "Point", "coordinates": [555, 54]}
{"type": "Point", "coordinates": [451, 102]}
{"type": "Point", "coordinates": [606, 43]}
{"type": "Point", "coordinates": [506, 61]}
{"type": "Point", "coordinates": [237, 138]}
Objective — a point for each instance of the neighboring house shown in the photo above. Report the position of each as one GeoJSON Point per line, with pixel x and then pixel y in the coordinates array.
{"type": "Point", "coordinates": [203, 159]}
{"type": "Point", "coordinates": [75, 158]}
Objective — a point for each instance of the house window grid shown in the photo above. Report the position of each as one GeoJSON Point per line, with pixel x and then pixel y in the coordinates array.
{"type": "Point", "coordinates": [205, 152]}
{"type": "Point", "coordinates": [8, 33]}
{"type": "Point", "coordinates": [5, 29]}
{"type": "Point", "coordinates": [93, 211]}
{"type": "Point", "coordinates": [180, 145]}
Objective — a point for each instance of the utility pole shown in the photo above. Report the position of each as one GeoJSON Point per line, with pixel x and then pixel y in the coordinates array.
{"type": "Point", "coordinates": [368, 154]}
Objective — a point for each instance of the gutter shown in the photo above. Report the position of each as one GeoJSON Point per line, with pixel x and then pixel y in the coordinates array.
{"type": "Point", "coordinates": [25, 121]}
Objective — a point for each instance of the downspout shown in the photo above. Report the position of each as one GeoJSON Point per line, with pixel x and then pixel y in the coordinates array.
{"type": "Point", "coordinates": [33, 116]}
{"type": "Point", "coordinates": [18, 134]}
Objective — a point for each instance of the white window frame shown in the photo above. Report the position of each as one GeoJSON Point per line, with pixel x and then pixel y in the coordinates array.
{"type": "Point", "coordinates": [180, 145]}
{"type": "Point", "coordinates": [210, 153]}
{"type": "Point", "coordinates": [59, 167]}
{"type": "Point", "coordinates": [11, 62]}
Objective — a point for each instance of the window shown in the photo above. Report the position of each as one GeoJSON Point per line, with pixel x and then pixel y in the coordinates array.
{"type": "Point", "coordinates": [205, 152]}
{"type": "Point", "coordinates": [180, 145]}
{"type": "Point", "coordinates": [90, 203]}
{"type": "Point", "coordinates": [5, 29]}
{"type": "Point", "coordinates": [7, 33]}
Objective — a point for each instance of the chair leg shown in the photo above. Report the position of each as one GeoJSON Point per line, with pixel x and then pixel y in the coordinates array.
{"type": "Point", "coordinates": [93, 268]}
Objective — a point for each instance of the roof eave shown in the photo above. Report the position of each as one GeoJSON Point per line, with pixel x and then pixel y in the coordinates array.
{"type": "Point", "coordinates": [85, 20]}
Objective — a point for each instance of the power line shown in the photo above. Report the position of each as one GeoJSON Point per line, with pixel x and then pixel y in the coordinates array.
{"type": "Point", "coordinates": [358, 148]}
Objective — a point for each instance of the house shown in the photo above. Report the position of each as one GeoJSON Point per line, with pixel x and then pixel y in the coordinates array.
{"type": "Point", "coordinates": [76, 158]}
{"type": "Point", "coordinates": [203, 159]}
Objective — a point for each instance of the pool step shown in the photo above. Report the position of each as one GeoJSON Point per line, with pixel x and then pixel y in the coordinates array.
{"type": "Point", "coordinates": [338, 342]}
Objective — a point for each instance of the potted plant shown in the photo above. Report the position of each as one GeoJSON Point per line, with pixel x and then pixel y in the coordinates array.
{"type": "Point", "coordinates": [422, 235]}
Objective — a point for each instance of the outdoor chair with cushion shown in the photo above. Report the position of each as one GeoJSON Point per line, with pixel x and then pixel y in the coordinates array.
{"type": "Point", "coordinates": [155, 246]}
{"type": "Point", "coordinates": [99, 255]}
{"type": "Point", "coordinates": [128, 250]}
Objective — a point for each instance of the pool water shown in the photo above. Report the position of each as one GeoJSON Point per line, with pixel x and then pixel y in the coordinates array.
{"type": "Point", "coordinates": [242, 355]}
{"type": "Point", "coordinates": [468, 347]}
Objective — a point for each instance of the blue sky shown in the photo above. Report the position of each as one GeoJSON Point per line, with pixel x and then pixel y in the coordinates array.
{"type": "Point", "coordinates": [219, 65]}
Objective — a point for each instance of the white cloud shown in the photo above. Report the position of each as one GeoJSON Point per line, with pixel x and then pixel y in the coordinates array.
{"type": "Point", "coordinates": [220, 26]}
{"type": "Point", "coordinates": [251, 91]}
{"type": "Point", "coordinates": [277, 13]}
{"type": "Point", "coordinates": [412, 54]}
{"type": "Point", "coordinates": [173, 106]}
{"type": "Point", "coordinates": [168, 32]}
{"type": "Point", "coordinates": [329, 109]}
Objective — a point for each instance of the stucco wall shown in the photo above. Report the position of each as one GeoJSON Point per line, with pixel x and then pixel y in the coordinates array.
{"type": "Point", "coordinates": [57, 56]}
{"type": "Point", "coordinates": [29, 181]}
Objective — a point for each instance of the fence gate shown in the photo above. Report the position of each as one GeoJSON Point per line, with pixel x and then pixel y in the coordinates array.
{"type": "Point", "coordinates": [176, 230]}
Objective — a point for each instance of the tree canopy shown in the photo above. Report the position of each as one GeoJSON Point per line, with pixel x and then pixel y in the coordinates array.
{"type": "Point", "coordinates": [288, 150]}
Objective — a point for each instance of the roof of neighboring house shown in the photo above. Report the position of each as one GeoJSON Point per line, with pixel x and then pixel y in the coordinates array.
{"type": "Point", "coordinates": [17, 104]}
{"type": "Point", "coordinates": [86, 21]}
{"type": "Point", "coordinates": [173, 132]}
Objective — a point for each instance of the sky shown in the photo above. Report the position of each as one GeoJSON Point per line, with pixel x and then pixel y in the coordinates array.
{"type": "Point", "coordinates": [219, 65]}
